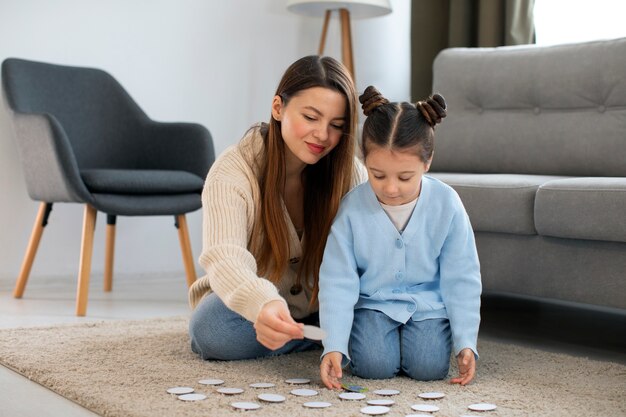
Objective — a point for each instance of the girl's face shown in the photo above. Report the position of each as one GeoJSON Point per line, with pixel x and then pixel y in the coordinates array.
{"type": "Point", "coordinates": [312, 123]}
{"type": "Point", "coordinates": [395, 176]}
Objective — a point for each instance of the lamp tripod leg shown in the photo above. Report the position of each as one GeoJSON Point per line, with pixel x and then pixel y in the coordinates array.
{"type": "Point", "coordinates": [346, 41]}
{"type": "Point", "coordinates": [324, 32]}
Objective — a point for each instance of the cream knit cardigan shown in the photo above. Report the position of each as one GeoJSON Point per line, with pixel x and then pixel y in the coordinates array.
{"type": "Point", "coordinates": [230, 200]}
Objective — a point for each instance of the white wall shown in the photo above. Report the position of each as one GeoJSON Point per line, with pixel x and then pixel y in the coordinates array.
{"type": "Point", "coordinates": [212, 62]}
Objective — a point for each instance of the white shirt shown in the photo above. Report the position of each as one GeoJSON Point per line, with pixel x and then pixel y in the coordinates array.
{"type": "Point", "coordinates": [401, 214]}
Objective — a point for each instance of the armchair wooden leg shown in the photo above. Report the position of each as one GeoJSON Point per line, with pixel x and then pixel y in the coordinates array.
{"type": "Point", "coordinates": [86, 250]}
{"type": "Point", "coordinates": [185, 246]}
{"type": "Point", "coordinates": [109, 253]}
{"type": "Point", "coordinates": [31, 250]}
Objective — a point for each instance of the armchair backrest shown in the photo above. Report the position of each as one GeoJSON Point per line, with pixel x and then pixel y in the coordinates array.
{"type": "Point", "coordinates": [101, 121]}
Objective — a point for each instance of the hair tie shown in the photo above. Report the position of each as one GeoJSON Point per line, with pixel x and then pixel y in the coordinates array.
{"type": "Point", "coordinates": [371, 99]}
{"type": "Point", "coordinates": [433, 109]}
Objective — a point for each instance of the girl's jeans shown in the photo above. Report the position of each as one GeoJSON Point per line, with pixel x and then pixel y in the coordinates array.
{"type": "Point", "coordinates": [381, 347]}
{"type": "Point", "coordinates": [219, 333]}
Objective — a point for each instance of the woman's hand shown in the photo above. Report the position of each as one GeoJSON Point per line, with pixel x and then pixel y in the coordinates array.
{"type": "Point", "coordinates": [275, 327]}
{"type": "Point", "coordinates": [467, 367]}
{"type": "Point", "coordinates": [330, 370]}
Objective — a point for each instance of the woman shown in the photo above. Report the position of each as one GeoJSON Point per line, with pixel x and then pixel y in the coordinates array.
{"type": "Point", "coordinates": [268, 204]}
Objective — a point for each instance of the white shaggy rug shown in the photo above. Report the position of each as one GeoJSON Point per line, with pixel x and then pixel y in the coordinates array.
{"type": "Point", "coordinates": [124, 369]}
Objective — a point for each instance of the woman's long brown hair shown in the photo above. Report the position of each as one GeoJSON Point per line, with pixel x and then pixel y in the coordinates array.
{"type": "Point", "coordinates": [325, 182]}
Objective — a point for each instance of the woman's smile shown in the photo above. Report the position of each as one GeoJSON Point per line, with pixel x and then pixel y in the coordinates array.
{"type": "Point", "coordinates": [316, 149]}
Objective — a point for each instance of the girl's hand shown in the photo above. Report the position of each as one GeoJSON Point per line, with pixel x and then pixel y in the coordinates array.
{"type": "Point", "coordinates": [467, 367]}
{"type": "Point", "coordinates": [330, 370]}
{"type": "Point", "coordinates": [275, 327]}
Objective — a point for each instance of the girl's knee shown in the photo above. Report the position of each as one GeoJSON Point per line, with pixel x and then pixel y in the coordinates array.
{"type": "Point", "coordinates": [427, 370]}
{"type": "Point", "coordinates": [374, 368]}
{"type": "Point", "coordinates": [426, 348]}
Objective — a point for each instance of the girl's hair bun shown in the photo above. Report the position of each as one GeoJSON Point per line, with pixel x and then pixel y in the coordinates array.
{"type": "Point", "coordinates": [371, 99]}
{"type": "Point", "coordinates": [433, 109]}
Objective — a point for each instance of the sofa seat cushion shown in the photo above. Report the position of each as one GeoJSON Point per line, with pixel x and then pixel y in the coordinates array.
{"type": "Point", "coordinates": [501, 203]}
{"type": "Point", "coordinates": [582, 208]}
{"type": "Point", "coordinates": [144, 181]}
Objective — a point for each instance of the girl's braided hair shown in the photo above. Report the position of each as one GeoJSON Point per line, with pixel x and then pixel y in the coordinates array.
{"type": "Point", "coordinates": [401, 125]}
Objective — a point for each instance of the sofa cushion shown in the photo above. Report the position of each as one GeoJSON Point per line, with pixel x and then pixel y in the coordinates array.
{"type": "Point", "coordinates": [502, 203]}
{"type": "Point", "coordinates": [582, 208]}
{"type": "Point", "coordinates": [557, 110]}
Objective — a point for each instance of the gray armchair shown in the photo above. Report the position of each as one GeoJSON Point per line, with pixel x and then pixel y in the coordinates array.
{"type": "Point", "coordinates": [82, 139]}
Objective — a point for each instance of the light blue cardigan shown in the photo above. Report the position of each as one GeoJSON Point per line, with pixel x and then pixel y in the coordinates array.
{"type": "Point", "coordinates": [431, 270]}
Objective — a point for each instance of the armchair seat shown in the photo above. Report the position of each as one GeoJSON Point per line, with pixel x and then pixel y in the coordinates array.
{"type": "Point", "coordinates": [141, 181]}
{"type": "Point", "coordinates": [145, 205]}
{"type": "Point", "coordinates": [143, 192]}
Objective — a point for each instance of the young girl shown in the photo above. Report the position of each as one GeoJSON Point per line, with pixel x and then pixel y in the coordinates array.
{"type": "Point", "coordinates": [268, 204]}
{"type": "Point", "coordinates": [400, 279]}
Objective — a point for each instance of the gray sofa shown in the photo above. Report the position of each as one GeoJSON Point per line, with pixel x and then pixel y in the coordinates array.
{"type": "Point", "coordinates": [535, 145]}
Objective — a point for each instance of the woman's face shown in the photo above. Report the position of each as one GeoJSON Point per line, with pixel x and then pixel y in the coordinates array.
{"type": "Point", "coordinates": [312, 123]}
{"type": "Point", "coordinates": [395, 176]}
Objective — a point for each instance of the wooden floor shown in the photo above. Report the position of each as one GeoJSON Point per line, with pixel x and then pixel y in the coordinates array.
{"type": "Point", "coordinates": [596, 334]}
{"type": "Point", "coordinates": [52, 301]}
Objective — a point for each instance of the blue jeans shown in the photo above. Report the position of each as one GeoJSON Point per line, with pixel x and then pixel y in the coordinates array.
{"type": "Point", "coordinates": [382, 348]}
{"type": "Point", "coordinates": [219, 333]}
